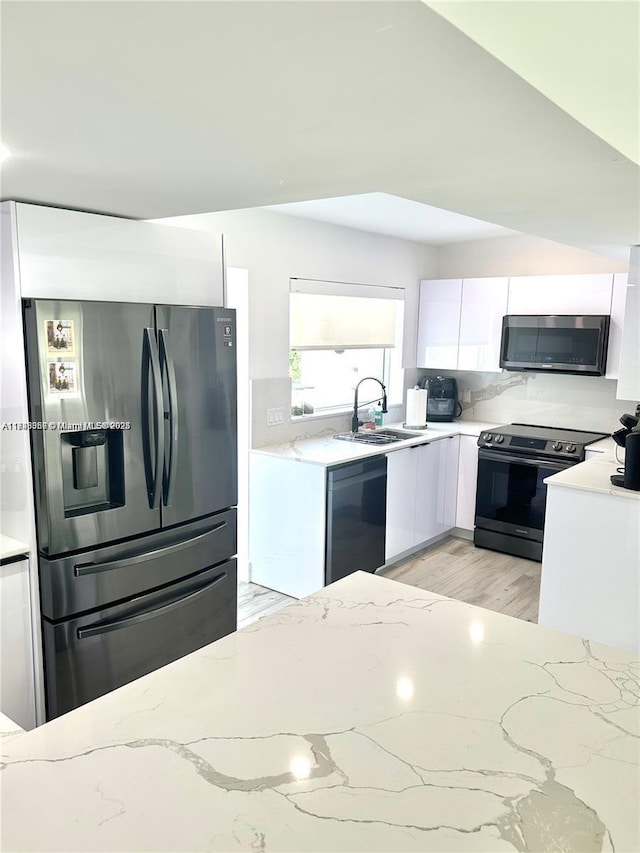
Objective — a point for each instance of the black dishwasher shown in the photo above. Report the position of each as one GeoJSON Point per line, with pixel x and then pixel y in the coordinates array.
{"type": "Point", "coordinates": [356, 517]}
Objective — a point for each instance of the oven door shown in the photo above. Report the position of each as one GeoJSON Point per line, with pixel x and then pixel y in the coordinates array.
{"type": "Point", "coordinates": [511, 494]}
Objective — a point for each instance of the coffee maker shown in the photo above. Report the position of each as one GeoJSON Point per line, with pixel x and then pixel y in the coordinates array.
{"type": "Point", "coordinates": [629, 438]}
{"type": "Point", "coordinates": [442, 399]}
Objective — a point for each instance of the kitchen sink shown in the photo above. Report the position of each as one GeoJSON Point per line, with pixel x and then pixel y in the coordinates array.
{"type": "Point", "coordinates": [379, 436]}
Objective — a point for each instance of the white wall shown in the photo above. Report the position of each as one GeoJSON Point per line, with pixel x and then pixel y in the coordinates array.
{"type": "Point", "coordinates": [519, 255]}
{"type": "Point", "coordinates": [275, 247]}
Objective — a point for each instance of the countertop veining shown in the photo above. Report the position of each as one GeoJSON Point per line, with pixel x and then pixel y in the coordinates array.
{"type": "Point", "coordinates": [369, 716]}
{"type": "Point", "coordinates": [326, 450]}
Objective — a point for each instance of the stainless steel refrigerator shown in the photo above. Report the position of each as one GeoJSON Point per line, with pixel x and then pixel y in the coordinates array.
{"type": "Point", "coordinates": [133, 411]}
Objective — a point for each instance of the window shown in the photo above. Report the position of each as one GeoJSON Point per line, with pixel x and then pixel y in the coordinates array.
{"type": "Point", "coordinates": [340, 334]}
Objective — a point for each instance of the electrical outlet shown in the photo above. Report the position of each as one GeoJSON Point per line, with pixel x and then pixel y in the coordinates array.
{"type": "Point", "coordinates": [275, 416]}
{"type": "Point", "coordinates": [466, 395]}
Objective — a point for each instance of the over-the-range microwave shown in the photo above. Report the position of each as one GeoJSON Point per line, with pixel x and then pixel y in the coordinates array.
{"type": "Point", "coordinates": [555, 343]}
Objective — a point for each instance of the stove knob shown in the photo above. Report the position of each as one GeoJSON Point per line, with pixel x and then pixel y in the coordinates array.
{"type": "Point", "coordinates": [499, 439]}
{"type": "Point", "coordinates": [487, 436]}
{"type": "Point", "coordinates": [556, 445]}
{"type": "Point", "coordinates": [570, 448]}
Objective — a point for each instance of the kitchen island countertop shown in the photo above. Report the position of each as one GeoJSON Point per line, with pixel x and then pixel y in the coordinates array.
{"type": "Point", "coordinates": [368, 716]}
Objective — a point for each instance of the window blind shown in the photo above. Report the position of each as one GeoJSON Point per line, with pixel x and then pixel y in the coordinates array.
{"type": "Point", "coordinates": [345, 317]}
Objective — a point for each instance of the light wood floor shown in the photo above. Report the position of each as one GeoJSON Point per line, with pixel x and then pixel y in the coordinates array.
{"type": "Point", "coordinates": [255, 601]}
{"type": "Point", "coordinates": [456, 568]}
{"type": "Point", "coordinates": [452, 567]}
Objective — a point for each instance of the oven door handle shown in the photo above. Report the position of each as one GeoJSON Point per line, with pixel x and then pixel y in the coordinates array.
{"type": "Point", "coordinates": [499, 456]}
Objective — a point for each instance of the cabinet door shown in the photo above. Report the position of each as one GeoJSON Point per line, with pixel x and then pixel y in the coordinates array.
{"type": "Point", "coordinates": [16, 650]}
{"type": "Point", "coordinates": [68, 254]}
{"type": "Point", "coordinates": [560, 294]}
{"type": "Point", "coordinates": [447, 518]}
{"type": "Point", "coordinates": [401, 501]}
{"type": "Point", "coordinates": [467, 480]}
{"type": "Point", "coordinates": [431, 469]}
{"type": "Point", "coordinates": [618, 300]}
{"type": "Point", "coordinates": [439, 323]}
{"type": "Point", "coordinates": [484, 304]}
{"type": "Point", "coordinates": [629, 374]}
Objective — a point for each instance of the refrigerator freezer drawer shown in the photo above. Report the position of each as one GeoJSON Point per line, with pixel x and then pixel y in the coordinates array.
{"type": "Point", "coordinates": [95, 579]}
{"type": "Point", "coordinates": [89, 656]}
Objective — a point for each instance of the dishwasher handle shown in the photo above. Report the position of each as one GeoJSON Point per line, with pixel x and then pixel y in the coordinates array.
{"type": "Point", "coordinates": [345, 482]}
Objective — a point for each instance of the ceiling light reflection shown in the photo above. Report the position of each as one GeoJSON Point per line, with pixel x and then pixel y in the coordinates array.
{"type": "Point", "coordinates": [300, 767]}
{"type": "Point", "coordinates": [476, 632]}
{"type": "Point", "coordinates": [4, 153]}
{"type": "Point", "coordinates": [404, 688]}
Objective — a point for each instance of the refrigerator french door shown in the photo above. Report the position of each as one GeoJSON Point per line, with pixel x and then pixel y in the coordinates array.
{"type": "Point", "coordinates": [133, 409]}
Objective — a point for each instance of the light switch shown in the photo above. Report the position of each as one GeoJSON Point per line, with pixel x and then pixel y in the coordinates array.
{"type": "Point", "coordinates": [275, 416]}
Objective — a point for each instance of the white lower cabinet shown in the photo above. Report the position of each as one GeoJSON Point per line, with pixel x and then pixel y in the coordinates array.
{"type": "Point", "coordinates": [422, 485]}
{"type": "Point", "coordinates": [17, 699]}
{"type": "Point", "coordinates": [591, 566]}
{"type": "Point", "coordinates": [467, 482]}
{"type": "Point", "coordinates": [401, 501]}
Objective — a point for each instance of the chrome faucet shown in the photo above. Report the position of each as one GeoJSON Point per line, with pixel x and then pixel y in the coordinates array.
{"type": "Point", "coordinates": [355, 423]}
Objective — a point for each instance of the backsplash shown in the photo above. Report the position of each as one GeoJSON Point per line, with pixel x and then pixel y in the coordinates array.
{"type": "Point", "coordinates": [270, 393]}
{"type": "Point", "coordinates": [572, 402]}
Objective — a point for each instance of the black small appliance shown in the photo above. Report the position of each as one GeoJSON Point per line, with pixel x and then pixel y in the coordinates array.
{"type": "Point", "coordinates": [442, 399]}
{"type": "Point", "coordinates": [629, 438]}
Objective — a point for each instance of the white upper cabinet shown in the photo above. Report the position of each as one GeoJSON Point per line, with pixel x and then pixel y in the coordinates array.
{"type": "Point", "coordinates": [460, 323]}
{"type": "Point", "coordinates": [617, 321]}
{"type": "Point", "coordinates": [484, 303]}
{"type": "Point", "coordinates": [67, 254]}
{"type": "Point", "coordinates": [629, 376]}
{"type": "Point", "coordinates": [560, 294]}
{"type": "Point", "coordinates": [439, 323]}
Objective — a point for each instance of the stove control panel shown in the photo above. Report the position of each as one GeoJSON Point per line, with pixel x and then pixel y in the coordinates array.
{"type": "Point", "coordinates": [529, 446]}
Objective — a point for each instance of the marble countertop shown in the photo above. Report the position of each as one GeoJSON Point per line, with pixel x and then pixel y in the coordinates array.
{"type": "Point", "coordinates": [326, 450]}
{"type": "Point", "coordinates": [594, 475]}
{"type": "Point", "coordinates": [11, 547]}
{"type": "Point", "coordinates": [369, 716]}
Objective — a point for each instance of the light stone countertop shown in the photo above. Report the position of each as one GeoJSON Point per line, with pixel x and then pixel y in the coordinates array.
{"type": "Point", "coordinates": [326, 450]}
{"type": "Point", "coordinates": [594, 474]}
{"type": "Point", "coordinates": [369, 716]}
{"type": "Point", "coordinates": [12, 547]}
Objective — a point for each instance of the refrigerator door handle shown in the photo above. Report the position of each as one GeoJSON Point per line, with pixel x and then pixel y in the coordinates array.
{"type": "Point", "coordinates": [150, 358]}
{"type": "Point", "coordinates": [93, 568]}
{"type": "Point", "coordinates": [171, 449]}
{"type": "Point", "coordinates": [129, 621]}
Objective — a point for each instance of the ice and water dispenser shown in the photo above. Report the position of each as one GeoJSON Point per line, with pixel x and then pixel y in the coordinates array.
{"type": "Point", "coordinates": [92, 470]}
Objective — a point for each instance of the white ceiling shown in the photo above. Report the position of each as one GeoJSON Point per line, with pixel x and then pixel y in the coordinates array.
{"type": "Point", "coordinates": [582, 55]}
{"type": "Point", "coordinates": [397, 217]}
{"type": "Point", "coordinates": [160, 109]}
